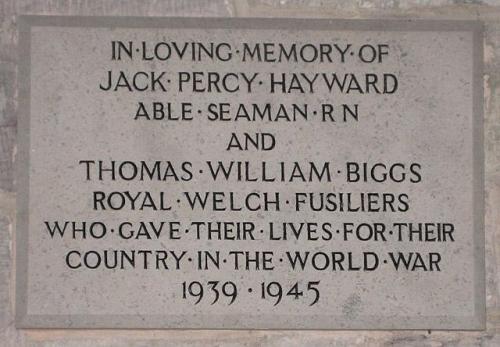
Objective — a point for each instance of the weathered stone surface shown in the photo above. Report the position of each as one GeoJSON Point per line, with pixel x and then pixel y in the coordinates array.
{"type": "Point", "coordinates": [207, 8]}
{"type": "Point", "coordinates": [7, 94]}
{"type": "Point", "coordinates": [8, 32]}
{"type": "Point", "coordinates": [7, 142]}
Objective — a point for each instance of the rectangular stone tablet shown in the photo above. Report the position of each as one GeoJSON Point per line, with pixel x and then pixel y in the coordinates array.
{"type": "Point", "coordinates": [250, 174]}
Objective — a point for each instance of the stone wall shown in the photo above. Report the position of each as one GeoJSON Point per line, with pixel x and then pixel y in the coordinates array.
{"type": "Point", "coordinates": [487, 11]}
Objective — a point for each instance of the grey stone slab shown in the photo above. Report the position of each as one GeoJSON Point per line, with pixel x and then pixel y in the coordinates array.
{"type": "Point", "coordinates": [434, 120]}
{"type": "Point", "coordinates": [7, 94]}
{"type": "Point", "coordinates": [7, 142]}
{"type": "Point", "coordinates": [5, 270]}
{"type": "Point", "coordinates": [126, 7]}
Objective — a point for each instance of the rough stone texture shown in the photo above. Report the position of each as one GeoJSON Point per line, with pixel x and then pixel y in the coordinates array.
{"type": "Point", "coordinates": [487, 11]}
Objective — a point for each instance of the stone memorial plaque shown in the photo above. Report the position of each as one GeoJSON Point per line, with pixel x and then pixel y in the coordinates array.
{"type": "Point", "coordinates": [250, 173]}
